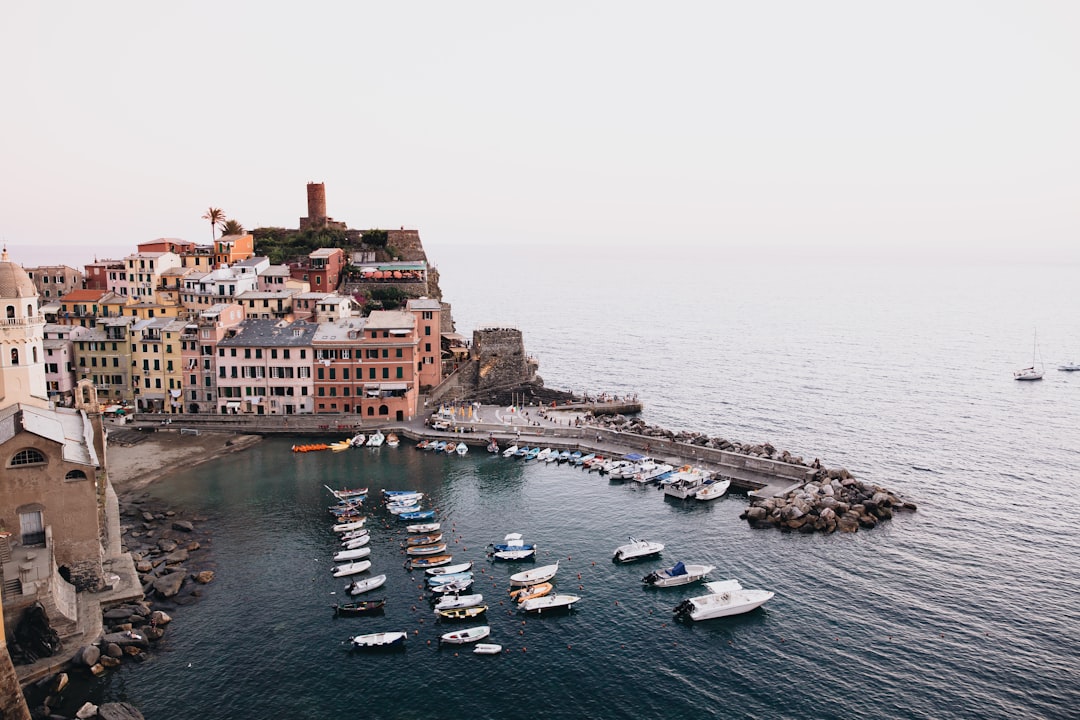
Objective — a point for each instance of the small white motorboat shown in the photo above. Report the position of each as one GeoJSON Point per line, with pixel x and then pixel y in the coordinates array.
{"type": "Point", "coordinates": [636, 549]}
{"type": "Point", "coordinates": [455, 588]}
{"type": "Point", "coordinates": [357, 587]}
{"type": "Point", "coordinates": [352, 568]}
{"type": "Point", "coordinates": [548, 603]}
{"type": "Point", "coordinates": [450, 569]}
{"type": "Point", "coordinates": [423, 528]}
{"type": "Point", "coordinates": [677, 574]}
{"type": "Point", "coordinates": [713, 489]}
{"type": "Point", "coordinates": [510, 451]}
{"type": "Point", "coordinates": [452, 602]}
{"type": "Point", "coordinates": [534, 576]}
{"type": "Point", "coordinates": [379, 640]}
{"type": "Point", "coordinates": [356, 542]}
{"type": "Point", "coordinates": [1069, 367]}
{"type": "Point", "coordinates": [436, 580]}
{"type": "Point", "coordinates": [487, 649]}
{"type": "Point", "coordinates": [350, 526]}
{"type": "Point", "coordinates": [357, 553]}
{"type": "Point", "coordinates": [727, 598]}
{"type": "Point", "coordinates": [353, 535]}
{"type": "Point", "coordinates": [468, 635]}
{"type": "Point", "coordinates": [544, 455]}
{"type": "Point", "coordinates": [358, 440]}
{"type": "Point", "coordinates": [376, 439]}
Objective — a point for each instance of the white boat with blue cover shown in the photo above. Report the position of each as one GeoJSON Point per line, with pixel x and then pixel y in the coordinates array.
{"type": "Point", "coordinates": [677, 574]}
{"type": "Point", "coordinates": [513, 548]}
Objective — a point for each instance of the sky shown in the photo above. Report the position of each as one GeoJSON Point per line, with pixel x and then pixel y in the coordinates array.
{"type": "Point", "coordinates": [781, 128]}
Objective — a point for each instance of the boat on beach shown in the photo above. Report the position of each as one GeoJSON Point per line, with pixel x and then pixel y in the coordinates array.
{"type": "Point", "coordinates": [636, 549]}
{"type": "Point", "coordinates": [469, 635]}
{"type": "Point", "coordinates": [373, 641]}
{"type": "Point", "coordinates": [548, 603]}
{"type": "Point", "coordinates": [726, 598]}
{"type": "Point", "coordinates": [677, 574]}
{"type": "Point", "coordinates": [534, 576]}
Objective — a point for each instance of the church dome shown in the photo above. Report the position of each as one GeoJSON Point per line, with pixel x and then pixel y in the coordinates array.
{"type": "Point", "coordinates": [14, 282]}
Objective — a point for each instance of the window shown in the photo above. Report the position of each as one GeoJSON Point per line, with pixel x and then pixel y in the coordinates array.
{"type": "Point", "coordinates": [400, 372]}
{"type": "Point", "coordinates": [427, 347]}
{"type": "Point", "coordinates": [386, 373]}
{"type": "Point", "coordinates": [427, 329]}
{"type": "Point", "coordinates": [371, 373]}
{"type": "Point", "coordinates": [29, 456]}
{"type": "Point", "coordinates": [398, 353]}
{"type": "Point", "coordinates": [320, 374]}
{"type": "Point", "coordinates": [75, 475]}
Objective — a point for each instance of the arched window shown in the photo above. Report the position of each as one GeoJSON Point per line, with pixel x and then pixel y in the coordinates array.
{"type": "Point", "coordinates": [29, 456]}
{"type": "Point", "coordinates": [383, 410]}
{"type": "Point", "coordinates": [10, 312]}
{"type": "Point", "coordinates": [370, 410]}
{"type": "Point", "coordinates": [14, 356]}
{"type": "Point", "coordinates": [34, 350]}
{"type": "Point", "coordinates": [29, 311]}
{"type": "Point", "coordinates": [75, 475]}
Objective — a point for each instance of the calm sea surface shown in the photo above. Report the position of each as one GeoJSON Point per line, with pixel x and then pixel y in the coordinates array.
{"type": "Point", "coordinates": [967, 608]}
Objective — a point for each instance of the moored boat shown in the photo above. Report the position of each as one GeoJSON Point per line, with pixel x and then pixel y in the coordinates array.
{"type": "Point", "coordinates": [728, 597]}
{"type": "Point", "coordinates": [392, 440]}
{"type": "Point", "coordinates": [436, 580]}
{"type": "Point", "coordinates": [636, 549]}
{"type": "Point", "coordinates": [456, 587]}
{"type": "Point", "coordinates": [450, 569]}
{"type": "Point", "coordinates": [418, 515]}
{"type": "Point", "coordinates": [487, 649]}
{"type": "Point", "coordinates": [493, 446]}
{"type": "Point", "coordinates": [548, 603]}
{"type": "Point", "coordinates": [534, 576]}
{"type": "Point", "coordinates": [713, 489]}
{"type": "Point", "coordinates": [433, 549]}
{"type": "Point", "coordinates": [376, 439]}
{"type": "Point", "coordinates": [529, 592]}
{"type": "Point", "coordinates": [373, 641]}
{"type": "Point", "coordinates": [363, 607]}
{"type": "Point", "coordinates": [423, 528]}
{"type": "Point", "coordinates": [341, 445]}
{"type": "Point", "coordinates": [423, 539]}
{"type": "Point", "coordinates": [357, 553]}
{"type": "Point", "coordinates": [466, 613]}
{"type": "Point", "coordinates": [459, 601]}
{"type": "Point", "coordinates": [358, 587]}
{"type": "Point", "coordinates": [468, 635]}
{"type": "Point", "coordinates": [429, 561]}
{"type": "Point", "coordinates": [510, 451]}
{"type": "Point", "coordinates": [358, 440]}
{"type": "Point", "coordinates": [461, 449]}
{"type": "Point", "coordinates": [352, 568]}
{"type": "Point", "coordinates": [350, 525]}
{"type": "Point", "coordinates": [357, 542]}
{"type": "Point", "coordinates": [677, 574]}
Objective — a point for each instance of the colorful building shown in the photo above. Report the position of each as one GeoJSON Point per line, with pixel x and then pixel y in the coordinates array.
{"type": "Point", "coordinates": [264, 368]}
{"type": "Point", "coordinates": [198, 344]}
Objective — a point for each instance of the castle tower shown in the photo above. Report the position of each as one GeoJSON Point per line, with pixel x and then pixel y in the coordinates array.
{"type": "Point", "coordinates": [22, 333]}
{"type": "Point", "coordinates": [316, 207]}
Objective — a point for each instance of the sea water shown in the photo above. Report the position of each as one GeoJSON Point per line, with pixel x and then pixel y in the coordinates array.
{"type": "Point", "coordinates": [966, 608]}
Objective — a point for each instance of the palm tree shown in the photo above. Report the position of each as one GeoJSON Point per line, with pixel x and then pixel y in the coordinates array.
{"type": "Point", "coordinates": [231, 227]}
{"type": "Point", "coordinates": [214, 215]}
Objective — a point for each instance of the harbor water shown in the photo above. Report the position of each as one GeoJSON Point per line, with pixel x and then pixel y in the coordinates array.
{"type": "Point", "coordinates": [966, 608]}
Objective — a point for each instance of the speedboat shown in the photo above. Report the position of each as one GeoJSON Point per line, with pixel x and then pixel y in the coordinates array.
{"type": "Point", "coordinates": [513, 543]}
{"type": "Point", "coordinates": [467, 613]}
{"type": "Point", "coordinates": [677, 574]}
{"type": "Point", "coordinates": [534, 576]}
{"type": "Point", "coordinates": [450, 569]}
{"type": "Point", "coordinates": [357, 587]}
{"type": "Point", "coordinates": [469, 635]}
{"type": "Point", "coordinates": [459, 601]}
{"type": "Point", "coordinates": [713, 489]}
{"type": "Point", "coordinates": [658, 471]}
{"type": "Point", "coordinates": [422, 528]}
{"type": "Point", "coordinates": [375, 439]}
{"type": "Point", "coordinates": [548, 603]}
{"type": "Point", "coordinates": [379, 640]}
{"type": "Point", "coordinates": [352, 568]}
{"type": "Point", "coordinates": [636, 549]}
{"type": "Point", "coordinates": [510, 451]}
{"type": "Point", "coordinates": [727, 597]}
{"type": "Point", "coordinates": [433, 549]}
{"type": "Point", "coordinates": [684, 482]}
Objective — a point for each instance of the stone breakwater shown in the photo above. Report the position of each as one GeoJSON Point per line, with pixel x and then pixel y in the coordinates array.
{"type": "Point", "coordinates": [826, 505]}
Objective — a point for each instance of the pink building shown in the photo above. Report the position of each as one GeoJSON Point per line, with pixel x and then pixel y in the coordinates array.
{"type": "Point", "coordinates": [428, 314]}
{"type": "Point", "coordinates": [264, 368]}
{"type": "Point", "coordinates": [199, 343]}
{"type": "Point", "coordinates": [388, 365]}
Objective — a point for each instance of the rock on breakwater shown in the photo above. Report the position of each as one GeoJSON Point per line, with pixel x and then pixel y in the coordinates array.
{"type": "Point", "coordinates": [826, 505]}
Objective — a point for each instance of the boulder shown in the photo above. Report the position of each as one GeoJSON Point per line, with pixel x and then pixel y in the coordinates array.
{"type": "Point", "coordinates": [847, 524]}
{"type": "Point", "coordinates": [119, 613]}
{"type": "Point", "coordinates": [166, 545]}
{"type": "Point", "coordinates": [110, 661]}
{"type": "Point", "coordinates": [89, 655]}
{"type": "Point", "coordinates": [148, 517]}
{"type": "Point", "coordinates": [756, 514]}
{"type": "Point", "coordinates": [204, 577]}
{"type": "Point", "coordinates": [88, 710]}
{"type": "Point", "coordinates": [113, 650]}
{"type": "Point", "coordinates": [59, 682]}
{"type": "Point", "coordinates": [98, 669]}
{"type": "Point", "coordinates": [183, 526]}
{"type": "Point", "coordinates": [160, 617]}
{"type": "Point", "coordinates": [119, 711]}
{"type": "Point", "coordinates": [144, 566]}
{"type": "Point", "coordinates": [176, 556]}
{"type": "Point", "coordinates": [193, 546]}
{"type": "Point", "coordinates": [169, 585]}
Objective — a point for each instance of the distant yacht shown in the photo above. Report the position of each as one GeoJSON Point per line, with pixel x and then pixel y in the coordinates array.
{"type": "Point", "coordinates": [1033, 372]}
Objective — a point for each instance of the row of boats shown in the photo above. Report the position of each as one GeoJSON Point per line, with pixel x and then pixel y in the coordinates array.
{"type": "Point", "coordinates": [443, 446]}
{"type": "Point", "coordinates": [375, 439]}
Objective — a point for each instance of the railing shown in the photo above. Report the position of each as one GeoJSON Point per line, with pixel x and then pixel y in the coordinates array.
{"type": "Point", "coordinates": [32, 320]}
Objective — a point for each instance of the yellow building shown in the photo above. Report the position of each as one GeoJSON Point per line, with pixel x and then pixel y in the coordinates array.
{"type": "Point", "coordinates": [157, 364]}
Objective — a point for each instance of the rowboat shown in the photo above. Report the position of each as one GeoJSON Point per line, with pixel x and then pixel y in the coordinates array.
{"type": "Point", "coordinates": [450, 569]}
{"type": "Point", "coordinates": [364, 607]}
{"type": "Point", "coordinates": [429, 561]}
{"type": "Point", "coordinates": [487, 649]}
{"type": "Point", "coordinates": [510, 451]}
{"type": "Point", "coordinates": [423, 539]}
{"type": "Point", "coordinates": [450, 448]}
{"type": "Point", "coordinates": [531, 591]}
{"type": "Point", "coordinates": [534, 576]}
{"type": "Point", "coordinates": [400, 497]}
{"type": "Point", "coordinates": [433, 549]}
{"type": "Point", "coordinates": [409, 506]}
{"type": "Point", "coordinates": [423, 528]}
{"type": "Point", "coordinates": [357, 587]}
{"type": "Point", "coordinates": [352, 568]}
{"type": "Point", "coordinates": [461, 613]}
{"type": "Point", "coordinates": [374, 641]}
{"type": "Point", "coordinates": [353, 554]}
{"type": "Point", "coordinates": [421, 445]}
{"type": "Point", "coordinates": [461, 449]}
{"type": "Point", "coordinates": [548, 603]}
{"type": "Point", "coordinates": [460, 637]}
{"type": "Point", "coordinates": [347, 494]}
{"type": "Point", "coordinates": [436, 580]}
{"type": "Point", "coordinates": [419, 515]}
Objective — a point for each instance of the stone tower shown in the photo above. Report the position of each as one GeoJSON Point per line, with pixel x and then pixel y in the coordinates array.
{"type": "Point", "coordinates": [316, 210]}
{"type": "Point", "coordinates": [22, 333]}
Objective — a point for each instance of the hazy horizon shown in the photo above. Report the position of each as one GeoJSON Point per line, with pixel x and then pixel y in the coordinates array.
{"type": "Point", "coordinates": [941, 132]}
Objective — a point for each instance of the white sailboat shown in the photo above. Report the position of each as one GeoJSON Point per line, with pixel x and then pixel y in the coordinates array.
{"type": "Point", "coordinates": [1034, 372]}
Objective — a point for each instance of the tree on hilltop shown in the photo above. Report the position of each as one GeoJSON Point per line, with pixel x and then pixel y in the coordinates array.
{"type": "Point", "coordinates": [232, 227]}
{"type": "Point", "coordinates": [214, 215]}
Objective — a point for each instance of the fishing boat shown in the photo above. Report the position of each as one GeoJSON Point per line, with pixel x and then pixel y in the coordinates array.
{"type": "Point", "coordinates": [423, 528]}
{"type": "Point", "coordinates": [374, 641]}
{"type": "Point", "coordinates": [347, 494]}
{"type": "Point", "coordinates": [469, 635]}
{"type": "Point", "coordinates": [364, 607]}
{"type": "Point", "coordinates": [493, 446]}
{"type": "Point", "coordinates": [349, 526]}
{"type": "Point", "coordinates": [487, 649]}
{"type": "Point", "coordinates": [510, 451]}
{"type": "Point", "coordinates": [636, 549]}
{"type": "Point", "coordinates": [658, 471]}
{"type": "Point", "coordinates": [357, 542]}
{"type": "Point", "coordinates": [534, 576]}
{"type": "Point", "coordinates": [352, 568]}
{"type": "Point", "coordinates": [459, 601]}
{"type": "Point", "coordinates": [450, 569]}
{"type": "Point", "coordinates": [432, 549]}
{"type": "Point", "coordinates": [376, 439]}
{"type": "Point", "coordinates": [418, 515]}
{"type": "Point", "coordinates": [429, 561]}
{"type": "Point", "coordinates": [352, 554]}
{"type": "Point", "coordinates": [423, 539]}
{"type": "Point", "coordinates": [512, 548]}
{"type": "Point", "coordinates": [392, 440]}
{"type": "Point", "coordinates": [548, 603]}
{"type": "Point", "coordinates": [713, 489]}
{"type": "Point", "coordinates": [531, 591]}
{"type": "Point", "coordinates": [358, 587]}
{"type": "Point", "coordinates": [461, 449]}
{"type": "Point", "coordinates": [1033, 372]}
{"type": "Point", "coordinates": [389, 495]}
{"type": "Point", "coordinates": [677, 574]}
{"type": "Point", "coordinates": [726, 598]}
{"type": "Point", "coordinates": [352, 507]}
{"type": "Point", "coordinates": [533, 452]}
{"type": "Point", "coordinates": [468, 613]}
{"type": "Point", "coordinates": [409, 506]}
{"type": "Point", "coordinates": [684, 482]}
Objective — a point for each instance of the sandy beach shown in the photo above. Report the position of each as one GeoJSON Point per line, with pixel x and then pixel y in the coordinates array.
{"type": "Point", "coordinates": [136, 459]}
